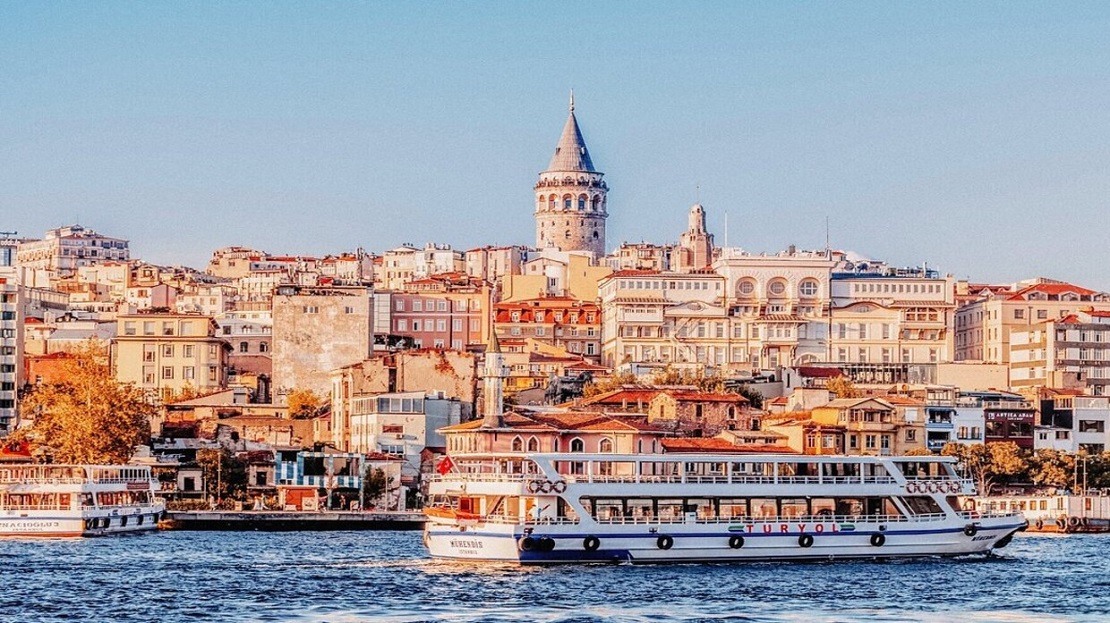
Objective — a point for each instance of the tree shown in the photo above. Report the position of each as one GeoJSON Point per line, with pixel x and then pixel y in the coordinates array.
{"type": "Point", "coordinates": [89, 417]}
{"type": "Point", "coordinates": [375, 485]}
{"type": "Point", "coordinates": [304, 403]}
{"type": "Point", "coordinates": [755, 399]}
{"type": "Point", "coordinates": [843, 387]}
{"type": "Point", "coordinates": [1052, 468]}
{"type": "Point", "coordinates": [704, 382]}
{"type": "Point", "coordinates": [225, 477]}
{"type": "Point", "coordinates": [596, 388]}
{"type": "Point", "coordinates": [990, 464]}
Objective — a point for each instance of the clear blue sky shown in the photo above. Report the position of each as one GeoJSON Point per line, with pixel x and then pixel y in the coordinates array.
{"type": "Point", "coordinates": [973, 136]}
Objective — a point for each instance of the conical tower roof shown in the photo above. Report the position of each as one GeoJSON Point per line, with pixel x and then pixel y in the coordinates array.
{"type": "Point", "coordinates": [571, 153]}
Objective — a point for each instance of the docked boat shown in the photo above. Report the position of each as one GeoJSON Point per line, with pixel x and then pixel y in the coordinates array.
{"type": "Point", "coordinates": [77, 500]}
{"type": "Point", "coordinates": [651, 508]}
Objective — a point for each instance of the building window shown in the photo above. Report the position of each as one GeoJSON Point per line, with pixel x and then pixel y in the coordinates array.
{"type": "Point", "coordinates": [577, 445]}
{"type": "Point", "coordinates": [605, 445]}
{"type": "Point", "coordinates": [808, 288]}
{"type": "Point", "coordinates": [518, 444]}
{"type": "Point", "coordinates": [167, 350]}
{"type": "Point", "coordinates": [167, 372]}
{"type": "Point", "coordinates": [263, 347]}
{"type": "Point", "coordinates": [244, 347]}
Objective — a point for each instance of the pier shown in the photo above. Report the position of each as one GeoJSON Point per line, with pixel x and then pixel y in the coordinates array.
{"type": "Point", "coordinates": [287, 521]}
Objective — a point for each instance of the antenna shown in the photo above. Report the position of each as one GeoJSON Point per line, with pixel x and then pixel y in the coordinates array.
{"type": "Point", "coordinates": [828, 249]}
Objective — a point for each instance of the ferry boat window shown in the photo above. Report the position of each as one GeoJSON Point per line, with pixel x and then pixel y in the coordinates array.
{"type": "Point", "coordinates": [587, 505]}
{"type": "Point", "coordinates": [793, 507]}
{"type": "Point", "coordinates": [822, 506]}
{"type": "Point", "coordinates": [641, 508]}
{"type": "Point", "coordinates": [607, 510]}
{"type": "Point", "coordinates": [922, 505]}
{"type": "Point", "coordinates": [763, 507]}
{"type": "Point", "coordinates": [703, 507]}
{"type": "Point", "coordinates": [733, 508]}
{"type": "Point", "coordinates": [849, 506]}
{"type": "Point", "coordinates": [87, 500]}
{"type": "Point", "coordinates": [669, 510]}
{"type": "Point", "coordinates": [841, 470]}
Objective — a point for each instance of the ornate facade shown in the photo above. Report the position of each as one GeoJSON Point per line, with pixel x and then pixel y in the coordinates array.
{"type": "Point", "coordinates": [570, 197]}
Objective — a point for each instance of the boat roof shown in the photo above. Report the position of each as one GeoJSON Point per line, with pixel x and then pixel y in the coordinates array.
{"type": "Point", "coordinates": [703, 457]}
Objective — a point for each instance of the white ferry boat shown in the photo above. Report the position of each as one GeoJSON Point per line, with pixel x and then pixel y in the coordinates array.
{"type": "Point", "coordinates": [77, 500]}
{"type": "Point", "coordinates": [643, 508]}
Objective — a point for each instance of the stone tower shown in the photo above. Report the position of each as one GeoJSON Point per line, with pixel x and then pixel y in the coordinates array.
{"type": "Point", "coordinates": [570, 196]}
{"type": "Point", "coordinates": [696, 243]}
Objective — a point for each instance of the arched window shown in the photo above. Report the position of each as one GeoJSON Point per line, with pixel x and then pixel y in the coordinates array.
{"type": "Point", "coordinates": [595, 203]}
{"type": "Point", "coordinates": [533, 444]}
{"type": "Point", "coordinates": [567, 235]}
{"type": "Point", "coordinates": [551, 202]}
{"type": "Point", "coordinates": [567, 200]}
{"type": "Point", "coordinates": [581, 203]}
{"type": "Point", "coordinates": [518, 444]}
{"type": "Point", "coordinates": [577, 445]}
{"type": "Point", "coordinates": [244, 347]}
{"type": "Point", "coordinates": [745, 288]}
{"type": "Point", "coordinates": [605, 445]}
{"type": "Point", "coordinates": [263, 347]}
{"type": "Point", "coordinates": [808, 288]}
{"type": "Point", "coordinates": [595, 235]}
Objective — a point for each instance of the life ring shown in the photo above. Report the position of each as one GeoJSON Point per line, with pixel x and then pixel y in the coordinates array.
{"type": "Point", "coordinates": [933, 487]}
{"type": "Point", "coordinates": [878, 540]}
{"type": "Point", "coordinates": [736, 541]}
{"type": "Point", "coordinates": [546, 544]}
{"type": "Point", "coordinates": [971, 529]}
{"type": "Point", "coordinates": [1039, 524]}
{"type": "Point", "coordinates": [527, 544]}
{"type": "Point", "coordinates": [1083, 521]}
{"type": "Point", "coordinates": [534, 486]}
{"type": "Point", "coordinates": [664, 542]}
{"type": "Point", "coordinates": [591, 543]}
{"type": "Point", "coordinates": [911, 487]}
{"type": "Point", "coordinates": [545, 486]}
{"type": "Point", "coordinates": [1074, 522]}
{"type": "Point", "coordinates": [139, 521]}
{"type": "Point", "coordinates": [1061, 522]}
{"type": "Point", "coordinates": [559, 486]}
{"type": "Point", "coordinates": [806, 540]}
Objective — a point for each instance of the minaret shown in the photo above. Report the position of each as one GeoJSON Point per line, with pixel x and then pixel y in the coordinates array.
{"type": "Point", "coordinates": [570, 196]}
{"type": "Point", "coordinates": [493, 375]}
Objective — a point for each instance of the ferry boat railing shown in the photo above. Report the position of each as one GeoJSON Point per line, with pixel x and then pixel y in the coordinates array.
{"type": "Point", "coordinates": [695, 479]}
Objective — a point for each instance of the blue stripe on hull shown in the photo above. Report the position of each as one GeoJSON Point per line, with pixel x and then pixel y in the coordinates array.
{"type": "Point", "coordinates": [725, 535]}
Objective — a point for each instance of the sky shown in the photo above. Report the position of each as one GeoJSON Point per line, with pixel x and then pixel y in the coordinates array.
{"type": "Point", "coordinates": [971, 136]}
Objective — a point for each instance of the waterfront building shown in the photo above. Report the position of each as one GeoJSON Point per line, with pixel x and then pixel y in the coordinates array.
{"type": "Point", "coordinates": [11, 350]}
{"type": "Point", "coordinates": [167, 354]}
{"type": "Point", "coordinates": [300, 475]}
{"type": "Point", "coordinates": [571, 205]}
{"type": "Point", "coordinates": [640, 256]}
{"type": "Point", "coordinates": [873, 426]}
{"type": "Point", "coordinates": [550, 272]}
{"type": "Point", "coordinates": [402, 424]}
{"type": "Point", "coordinates": [563, 323]}
{"type": "Point", "coordinates": [983, 327]}
{"type": "Point", "coordinates": [407, 263]}
{"type": "Point", "coordinates": [495, 263]}
{"type": "Point", "coordinates": [63, 250]}
{"type": "Point", "coordinates": [1075, 424]}
{"type": "Point", "coordinates": [778, 307]}
{"type": "Point", "coordinates": [317, 330]}
{"type": "Point", "coordinates": [445, 310]}
{"type": "Point", "coordinates": [662, 319]}
{"type": "Point", "coordinates": [1072, 352]}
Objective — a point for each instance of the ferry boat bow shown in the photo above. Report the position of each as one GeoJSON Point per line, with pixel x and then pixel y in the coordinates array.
{"type": "Point", "coordinates": [573, 508]}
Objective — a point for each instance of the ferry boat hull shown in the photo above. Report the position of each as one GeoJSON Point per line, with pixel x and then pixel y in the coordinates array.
{"type": "Point", "coordinates": [508, 521]}
{"type": "Point", "coordinates": [797, 541]}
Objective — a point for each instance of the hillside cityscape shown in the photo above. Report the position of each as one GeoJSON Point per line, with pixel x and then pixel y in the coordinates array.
{"type": "Point", "coordinates": [264, 376]}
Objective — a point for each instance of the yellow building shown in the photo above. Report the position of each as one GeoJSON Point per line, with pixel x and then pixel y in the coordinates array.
{"type": "Point", "coordinates": [872, 426]}
{"type": "Point", "coordinates": [170, 354]}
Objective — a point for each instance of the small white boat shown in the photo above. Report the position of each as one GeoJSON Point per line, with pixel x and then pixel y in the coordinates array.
{"type": "Point", "coordinates": [652, 508]}
{"type": "Point", "coordinates": [77, 500]}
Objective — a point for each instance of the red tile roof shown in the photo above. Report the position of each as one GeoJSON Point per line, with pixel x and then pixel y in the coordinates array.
{"type": "Point", "coordinates": [717, 445]}
{"type": "Point", "coordinates": [1051, 289]}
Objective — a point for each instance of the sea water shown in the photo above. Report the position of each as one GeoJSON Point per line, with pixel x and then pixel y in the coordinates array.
{"type": "Point", "coordinates": [346, 577]}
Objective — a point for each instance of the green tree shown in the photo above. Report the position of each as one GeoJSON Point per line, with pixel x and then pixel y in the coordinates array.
{"type": "Point", "coordinates": [989, 464]}
{"type": "Point", "coordinates": [89, 417]}
{"type": "Point", "coordinates": [225, 476]}
{"type": "Point", "coordinates": [375, 485]}
{"type": "Point", "coordinates": [704, 382]}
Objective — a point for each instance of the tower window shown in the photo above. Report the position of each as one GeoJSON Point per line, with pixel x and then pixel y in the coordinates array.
{"type": "Point", "coordinates": [582, 203]}
{"type": "Point", "coordinates": [566, 203]}
{"type": "Point", "coordinates": [595, 234]}
{"type": "Point", "coordinates": [568, 234]}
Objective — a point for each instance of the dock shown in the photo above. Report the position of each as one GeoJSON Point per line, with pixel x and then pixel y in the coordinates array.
{"type": "Point", "coordinates": [290, 521]}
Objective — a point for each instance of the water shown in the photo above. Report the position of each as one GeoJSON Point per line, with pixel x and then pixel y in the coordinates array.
{"type": "Point", "coordinates": [349, 577]}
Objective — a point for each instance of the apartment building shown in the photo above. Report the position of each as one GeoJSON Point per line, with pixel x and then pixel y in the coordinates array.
{"type": "Point", "coordinates": [167, 354]}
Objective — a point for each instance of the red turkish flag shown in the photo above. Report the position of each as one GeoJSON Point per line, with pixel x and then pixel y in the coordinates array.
{"type": "Point", "coordinates": [445, 465]}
